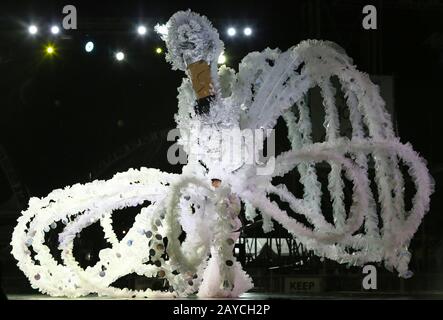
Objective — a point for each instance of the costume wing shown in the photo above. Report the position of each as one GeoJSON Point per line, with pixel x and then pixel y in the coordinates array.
{"type": "Point", "coordinates": [271, 84]}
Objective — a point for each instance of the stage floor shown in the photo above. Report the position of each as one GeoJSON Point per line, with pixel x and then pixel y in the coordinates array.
{"type": "Point", "coordinates": [267, 296]}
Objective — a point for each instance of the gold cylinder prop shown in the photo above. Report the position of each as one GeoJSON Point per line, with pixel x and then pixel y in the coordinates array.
{"type": "Point", "coordinates": [201, 78]}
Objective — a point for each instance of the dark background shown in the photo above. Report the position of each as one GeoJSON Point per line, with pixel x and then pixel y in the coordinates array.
{"type": "Point", "coordinates": [77, 116]}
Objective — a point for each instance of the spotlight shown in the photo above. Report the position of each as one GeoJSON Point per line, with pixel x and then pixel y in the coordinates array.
{"type": "Point", "coordinates": [32, 29]}
{"type": "Point", "coordinates": [119, 56]}
{"type": "Point", "coordinates": [89, 46]}
{"type": "Point", "coordinates": [55, 30]}
{"type": "Point", "coordinates": [141, 30]}
{"type": "Point", "coordinates": [158, 50]}
{"type": "Point", "coordinates": [50, 50]}
{"type": "Point", "coordinates": [247, 31]}
{"type": "Point", "coordinates": [231, 31]}
{"type": "Point", "coordinates": [221, 59]}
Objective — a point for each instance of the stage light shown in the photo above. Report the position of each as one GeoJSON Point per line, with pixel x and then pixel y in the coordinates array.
{"type": "Point", "coordinates": [55, 30]}
{"type": "Point", "coordinates": [158, 50]}
{"type": "Point", "coordinates": [247, 31]}
{"type": "Point", "coordinates": [89, 46]}
{"type": "Point", "coordinates": [141, 30]}
{"type": "Point", "coordinates": [50, 50]}
{"type": "Point", "coordinates": [231, 31]}
{"type": "Point", "coordinates": [119, 56]}
{"type": "Point", "coordinates": [221, 59]}
{"type": "Point", "coordinates": [32, 29]}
